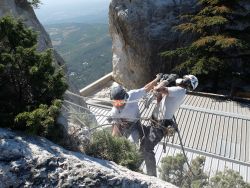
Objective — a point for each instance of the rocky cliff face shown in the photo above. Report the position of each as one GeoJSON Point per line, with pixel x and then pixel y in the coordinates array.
{"type": "Point", "coordinates": [140, 30]}
{"type": "Point", "coordinates": [21, 9]}
{"type": "Point", "coordinates": [35, 162]}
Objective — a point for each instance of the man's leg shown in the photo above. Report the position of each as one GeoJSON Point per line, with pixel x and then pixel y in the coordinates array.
{"type": "Point", "coordinates": [152, 137]}
{"type": "Point", "coordinates": [135, 133]}
{"type": "Point", "coordinates": [116, 130]}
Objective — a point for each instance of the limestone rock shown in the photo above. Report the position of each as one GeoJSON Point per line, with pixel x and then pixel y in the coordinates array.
{"type": "Point", "coordinates": [27, 161]}
{"type": "Point", "coordinates": [140, 30]}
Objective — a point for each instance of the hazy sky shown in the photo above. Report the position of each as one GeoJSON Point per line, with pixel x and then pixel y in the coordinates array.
{"type": "Point", "coordinates": [53, 10]}
{"type": "Point", "coordinates": [87, 3]}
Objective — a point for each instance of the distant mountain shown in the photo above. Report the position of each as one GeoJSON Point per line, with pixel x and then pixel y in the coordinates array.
{"type": "Point", "coordinates": [100, 17]}
{"type": "Point", "coordinates": [86, 48]}
{"type": "Point", "coordinates": [80, 11]}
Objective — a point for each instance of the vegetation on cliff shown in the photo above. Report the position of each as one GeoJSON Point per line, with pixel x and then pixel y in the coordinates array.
{"type": "Point", "coordinates": [30, 86]}
{"type": "Point", "coordinates": [105, 146]}
{"type": "Point", "coordinates": [174, 170]}
{"type": "Point", "coordinates": [34, 3]}
{"type": "Point", "coordinates": [221, 49]}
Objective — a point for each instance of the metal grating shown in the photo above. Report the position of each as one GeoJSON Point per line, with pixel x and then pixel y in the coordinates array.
{"type": "Point", "coordinates": [215, 128]}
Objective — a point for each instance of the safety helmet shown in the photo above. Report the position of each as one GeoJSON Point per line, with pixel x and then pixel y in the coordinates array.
{"type": "Point", "coordinates": [118, 93]}
{"type": "Point", "coordinates": [191, 81]}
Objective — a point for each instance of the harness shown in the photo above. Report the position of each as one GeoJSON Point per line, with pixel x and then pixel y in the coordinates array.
{"type": "Point", "coordinates": [125, 127]}
{"type": "Point", "coordinates": [168, 126]}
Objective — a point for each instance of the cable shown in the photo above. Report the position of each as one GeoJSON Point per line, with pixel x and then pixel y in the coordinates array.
{"type": "Point", "coordinates": [141, 118]}
{"type": "Point", "coordinates": [182, 147]}
{"type": "Point", "coordinates": [84, 113]}
{"type": "Point", "coordinates": [100, 100]}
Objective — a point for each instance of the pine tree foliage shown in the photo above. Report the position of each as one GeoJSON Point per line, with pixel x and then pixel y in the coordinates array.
{"type": "Point", "coordinates": [105, 146]}
{"type": "Point", "coordinates": [174, 170]}
{"type": "Point", "coordinates": [28, 81]}
{"type": "Point", "coordinates": [222, 45]}
{"type": "Point", "coordinates": [228, 179]}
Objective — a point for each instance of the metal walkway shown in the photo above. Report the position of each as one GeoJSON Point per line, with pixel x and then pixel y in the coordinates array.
{"type": "Point", "coordinates": [218, 129]}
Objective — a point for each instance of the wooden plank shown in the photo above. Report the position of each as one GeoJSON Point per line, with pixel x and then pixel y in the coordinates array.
{"type": "Point", "coordinates": [211, 134]}
{"type": "Point", "coordinates": [229, 137]}
{"type": "Point", "coordinates": [236, 167]}
{"type": "Point", "coordinates": [179, 120]}
{"type": "Point", "coordinates": [231, 107]}
{"type": "Point", "coordinates": [92, 88]}
{"type": "Point", "coordinates": [220, 105]}
{"type": "Point", "coordinates": [220, 147]}
{"type": "Point", "coordinates": [209, 105]}
{"type": "Point", "coordinates": [207, 132]}
{"type": "Point", "coordinates": [224, 132]}
{"type": "Point", "coordinates": [192, 133]}
{"type": "Point", "coordinates": [248, 142]}
{"type": "Point", "coordinates": [248, 174]}
{"type": "Point", "coordinates": [203, 127]}
{"type": "Point", "coordinates": [214, 167]}
{"type": "Point", "coordinates": [227, 106]}
{"type": "Point", "coordinates": [182, 115]}
{"type": "Point", "coordinates": [208, 164]}
{"type": "Point", "coordinates": [192, 101]}
{"type": "Point", "coordinates": [233, 140]}
{"type": "Point", "coordinates": [221, 165]}
{"type": "Point", "coordinates": [215, 134]}
{"type": "Point", "coordinates": [229, 165]}
{"type": "Point", "coordinates": [196, 100]}
{"type": "Point", "coordinates": [206, 105]}
{"type": "Point", "coordinates": [238, 139]}
{"type": "Point", "coordinates": [243, 172]}
{"type": "Point", "coordinates": [188, 127]}
{"type": "Point", "coordinates": [158, 153]}
{"type": "Point", "coordinates": [187, 99]}
{"type": "Point", "coordinates": [101, 119]}
{"type": "Point", "coordinates": [200, 101]}
{"type": "Point", "coordinates": [235, 107]}
{"type": "Point", "coordinates": [224, 106]}
{"type": "Point", "coordinates": [198, 126]}
{"type": "Point", "coordinates": [247, 109]}
{"type": "Point", "coordinates": [243, 138]}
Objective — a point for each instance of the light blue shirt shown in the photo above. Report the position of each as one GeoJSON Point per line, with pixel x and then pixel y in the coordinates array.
{"type": "Point", "coordinates": [129, 112]}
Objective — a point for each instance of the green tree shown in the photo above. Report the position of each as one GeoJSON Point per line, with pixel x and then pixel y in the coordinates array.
{"type": "Point", "coordinates": [174, 170]}
{"type": "Point", "coordinates": [29, 84]}
{"type": "Point", "coordinates": [222, 45]}
{"type": "Point", "coordinates": [105, 146]}
{"type": "Point", "coordinates": [228, 179]}
{"type": "Point", "coordinates": [34, 3]}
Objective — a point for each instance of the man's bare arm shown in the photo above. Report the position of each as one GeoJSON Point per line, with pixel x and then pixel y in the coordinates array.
{"type": "Point", "coordinates": [161, 88]}
{"type": "Point", "coordinates": [153, 83]}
